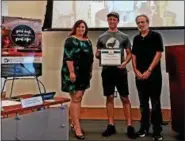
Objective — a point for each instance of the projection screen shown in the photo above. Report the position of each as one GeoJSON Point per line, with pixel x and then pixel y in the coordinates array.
{"type": "Point", "coordinates": [161, 13]}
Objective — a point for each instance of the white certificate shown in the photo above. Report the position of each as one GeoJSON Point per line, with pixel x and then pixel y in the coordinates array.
{"type": "Point", "coordinates": [110, 57]}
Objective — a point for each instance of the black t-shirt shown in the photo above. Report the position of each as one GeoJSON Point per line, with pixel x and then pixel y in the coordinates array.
{"type": "Point", "coordinates": [145, 48]}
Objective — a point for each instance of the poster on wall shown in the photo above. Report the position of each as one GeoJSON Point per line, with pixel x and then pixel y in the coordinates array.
{"type": "Point", "coordinates": [21, 48]}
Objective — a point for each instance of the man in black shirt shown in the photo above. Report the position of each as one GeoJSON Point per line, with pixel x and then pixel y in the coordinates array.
{"type": "Point", "coordinates": [146, 54]}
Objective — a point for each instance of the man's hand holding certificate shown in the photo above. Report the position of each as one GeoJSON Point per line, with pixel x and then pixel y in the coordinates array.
{"type": "Point", "coordinates": [110, 57]}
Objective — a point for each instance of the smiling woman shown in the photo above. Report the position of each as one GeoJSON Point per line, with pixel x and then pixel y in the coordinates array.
{"type": "Point", "coordinates": [77, 70]}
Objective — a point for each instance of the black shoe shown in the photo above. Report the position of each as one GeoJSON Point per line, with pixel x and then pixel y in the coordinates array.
{"type": "Point", "coordinates": [157, 137]}
{"type": "Point", "coordinates": [142, 133]}
{"type": "Point", "coordinates": [109, 131]}
{"type": "Point", "coordinates": [131, 132]}
{"type": "Point", "coordinates": [80, 137]}
{"type": "Point", "coordinates": [73, 129]}
{"type": "Point", "coordinates": [180, 136]}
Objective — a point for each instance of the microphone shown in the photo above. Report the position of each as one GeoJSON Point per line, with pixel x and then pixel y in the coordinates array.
{"type": "Point", "coordinates": [33, 74]}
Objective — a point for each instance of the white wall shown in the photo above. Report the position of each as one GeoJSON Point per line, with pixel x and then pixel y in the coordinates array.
{"type": "Point", "coordinates": [93, 96]}
{"type": "Point", "coordinates": [52, 60]}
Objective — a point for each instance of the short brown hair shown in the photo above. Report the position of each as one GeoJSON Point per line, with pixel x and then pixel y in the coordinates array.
{"type": "Point", "coordinates": [143, 15]}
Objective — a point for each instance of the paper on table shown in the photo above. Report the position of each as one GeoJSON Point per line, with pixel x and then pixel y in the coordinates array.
{"type": "Point", "coordinates": [9, 103]}
{"type": "Point", "coordinates": [49, 100]}
{"type": "Point", "coordinates": [52, 106]}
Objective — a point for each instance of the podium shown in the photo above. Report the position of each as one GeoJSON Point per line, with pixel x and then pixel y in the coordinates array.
{"type": "Point", "coordinates": [175, 68]}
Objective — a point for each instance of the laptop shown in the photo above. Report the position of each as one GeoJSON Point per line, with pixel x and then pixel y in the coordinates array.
{"type": "Point", "coordinates": [46, 96]}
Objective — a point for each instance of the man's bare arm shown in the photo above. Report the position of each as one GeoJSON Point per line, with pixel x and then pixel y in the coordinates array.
{"type": "Point", "coordinates": [97, 54]}
{"type": "Point", "coordinates": [129, 55]}
{"type": "Point", "coordinates": [127, 59]}
{"type": "Point", "coordinates": [155, 61]}
{"type": "Point", "coordinates": [136, 71]}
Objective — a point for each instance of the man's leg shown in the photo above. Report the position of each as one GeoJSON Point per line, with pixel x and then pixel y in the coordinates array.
{"type": "Point", "coordinates": [122, 87]}
{"type": "Point", "coordinates": [108, 90]}
{"type": "Point", "coordinates": [127, 109]}
{"type": "Point", "coordinates": [110, 109]}
{"type": "Point", "coordinates": [110, 130]}
{"type": "Point", "coordinates": [156, 115]}
{"type": "Point", "coordinates": [143, 94]}
{"type": "Point", "coordinates": [128, 114]}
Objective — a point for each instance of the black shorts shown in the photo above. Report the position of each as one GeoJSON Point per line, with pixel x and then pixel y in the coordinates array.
{"type": "Point", "coordinates": [115, 77]}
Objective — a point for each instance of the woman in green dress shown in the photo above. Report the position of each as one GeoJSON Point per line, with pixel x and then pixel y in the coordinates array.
{"type": "Point", "coordinates": [77, 70]}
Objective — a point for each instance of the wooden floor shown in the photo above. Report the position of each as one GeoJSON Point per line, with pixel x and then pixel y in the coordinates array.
{"type": "Point", "coordinates": [100, 113]}
{"type": "Point", "coordinates": [94, 128]}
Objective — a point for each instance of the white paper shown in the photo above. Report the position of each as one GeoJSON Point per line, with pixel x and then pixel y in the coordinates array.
{"type": "Point", "coordinates": [30, 102]}
{"type": "Point", "coordinates": [112, 57]}
{"type": "Point", "coordinates": [9, 103]}
{"type": "Point", "coordinates": [53, 106]}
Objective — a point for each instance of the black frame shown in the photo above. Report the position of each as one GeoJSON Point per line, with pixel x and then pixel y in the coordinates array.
{"type": "Point", "coordinates": [121, 58]}
{"type": "Point", "coordinates": [121, 28]}
{"type": "Point", "coordinates": [47, 26]}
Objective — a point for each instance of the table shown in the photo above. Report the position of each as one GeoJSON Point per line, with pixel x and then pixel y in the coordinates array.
{"type": "Point", "coordinates": [45, 124]}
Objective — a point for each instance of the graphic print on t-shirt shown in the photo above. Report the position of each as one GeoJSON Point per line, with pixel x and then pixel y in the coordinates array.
{"type": "Point", "coordinates": [112, 43]}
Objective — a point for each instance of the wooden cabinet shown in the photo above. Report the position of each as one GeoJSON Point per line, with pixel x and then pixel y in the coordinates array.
{"type": "Point", "coordinates": [175, 67]}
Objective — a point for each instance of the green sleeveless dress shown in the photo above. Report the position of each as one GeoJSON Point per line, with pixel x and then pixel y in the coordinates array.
{"type": "Point", "coordinates": [81, 53]}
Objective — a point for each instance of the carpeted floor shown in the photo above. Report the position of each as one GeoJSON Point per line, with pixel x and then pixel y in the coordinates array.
{"type": "Point", "coordinates": [93, 129]}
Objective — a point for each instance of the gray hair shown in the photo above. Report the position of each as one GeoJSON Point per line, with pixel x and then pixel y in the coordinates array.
{"type": "Point", "coordinates": [142, 15]}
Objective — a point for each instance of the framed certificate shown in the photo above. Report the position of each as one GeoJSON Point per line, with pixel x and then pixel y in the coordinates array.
{"type": "Point", "coordinates": [110, 57]}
